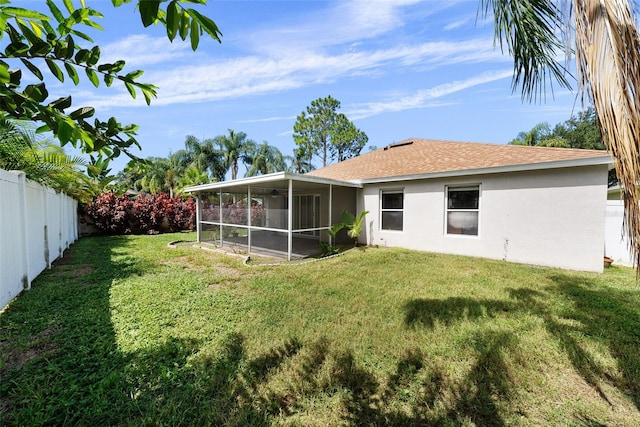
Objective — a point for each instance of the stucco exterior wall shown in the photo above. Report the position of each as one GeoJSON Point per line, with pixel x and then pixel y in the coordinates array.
{"type": "Point", "coordinates": [549, 217]}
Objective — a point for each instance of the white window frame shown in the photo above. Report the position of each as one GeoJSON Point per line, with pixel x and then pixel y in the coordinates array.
{"type": "Point", "coordinates": [382, 210]}
{"type": "Point", "coordinates": [465, 187]}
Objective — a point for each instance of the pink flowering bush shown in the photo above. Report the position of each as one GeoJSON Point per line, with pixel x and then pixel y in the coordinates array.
{"type": "Point", "coordinates": [148, 214]}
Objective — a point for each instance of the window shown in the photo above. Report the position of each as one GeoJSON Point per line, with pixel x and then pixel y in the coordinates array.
{"type": "Point", "coordinates": [391, 209]}
{"type": "Point", "coordinates": [463, 210]}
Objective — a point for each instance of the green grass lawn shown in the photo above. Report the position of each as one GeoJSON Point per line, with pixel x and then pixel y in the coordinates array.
{"type": "Point", "coordinates": [126, 331]}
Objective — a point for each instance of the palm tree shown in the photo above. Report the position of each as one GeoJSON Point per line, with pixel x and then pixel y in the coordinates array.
{"type": "Point", "coordinates": [266, 159]}
{"type": "Point", "coordinates": [301, 160]}
{"type": "Point", "coordinates": [234, 147]}
{"type": "Point", "coordinates": [607, 53]}
{"type": "Point", "coordinates": [206, 156]}
{"type": "Point", "coordinates": [193, 175]}
{"type": "Point", "coordinates": [157, 176]}
{"type": "Point", "coordinates": [43, 161]}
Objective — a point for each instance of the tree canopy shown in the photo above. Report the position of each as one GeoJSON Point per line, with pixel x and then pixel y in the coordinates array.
{"type": "Point", "coordinates": [55, 43]}
{"type": "Point", "coordinates": [322, 131]}
{"type": "Point", "coordinates": [582, 130]}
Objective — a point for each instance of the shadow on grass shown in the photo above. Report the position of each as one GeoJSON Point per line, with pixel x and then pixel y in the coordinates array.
{"type": "Point", "coordinates": [588, 312]}
{"type": "Point", "coordinates": [70, 371]}
{"type": "Point", "coordinates": [606, 315]}
{"type": "Point", "coordinates": [426, 312]}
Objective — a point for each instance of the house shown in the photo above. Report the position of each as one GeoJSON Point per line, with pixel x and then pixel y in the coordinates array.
{"type": "Point", "coordinates": [535, 205]}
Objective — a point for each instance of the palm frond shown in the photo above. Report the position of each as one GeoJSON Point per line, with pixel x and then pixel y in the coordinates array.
{"type": "Point", "coordinates": [533, 33]}
{"type": "Point", "coordinates": [608, 65]}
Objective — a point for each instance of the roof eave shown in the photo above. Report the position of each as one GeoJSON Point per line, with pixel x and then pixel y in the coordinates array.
{"type": "Point", "coordinates": [560, 164]}
{"type": "Point", "coordinates": [272, 177]}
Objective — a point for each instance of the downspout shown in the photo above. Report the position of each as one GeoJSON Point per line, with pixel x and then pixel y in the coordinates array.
{"type": "Point", "coordinates": [220, 217]}
{"type": "Point", "coordinates": [330, 210]}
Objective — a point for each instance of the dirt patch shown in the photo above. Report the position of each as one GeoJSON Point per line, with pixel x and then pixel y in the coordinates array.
{"type": "Point", "coordinates": [81, 271]}
{"type": "Point", "coordinates": [185, 262]}
{"type": "Point", "coordinates": [67, 259]}
{"type": "Point", "coordinates": [227, 271]}
{"type": "Point", "coordinates": [42, 346]}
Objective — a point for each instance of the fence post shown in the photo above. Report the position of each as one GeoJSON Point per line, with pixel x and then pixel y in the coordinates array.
{"type": "Point", "coordinates": [45, 205]}
{"type": "Point", "coordinates": [24, 235]}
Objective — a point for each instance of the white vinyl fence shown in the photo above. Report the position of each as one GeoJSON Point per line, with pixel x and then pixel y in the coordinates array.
{"type": "Point", "coordinates": [615, 245]}
{"type": "Point", "coordinates": [36, 226]}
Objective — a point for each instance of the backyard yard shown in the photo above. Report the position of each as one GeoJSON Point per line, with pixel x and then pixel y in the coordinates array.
{"type": "Point", "coordinates": [127, 331]}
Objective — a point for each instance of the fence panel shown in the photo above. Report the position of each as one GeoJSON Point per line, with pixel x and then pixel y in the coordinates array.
{"type": "Point", "coordinates": [36, 226]}
{"type": "Point", "coordinates": [615, 244]}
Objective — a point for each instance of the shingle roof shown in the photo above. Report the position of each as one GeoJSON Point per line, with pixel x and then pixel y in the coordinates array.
{"type": "Point", "coordinates": [426, 156]}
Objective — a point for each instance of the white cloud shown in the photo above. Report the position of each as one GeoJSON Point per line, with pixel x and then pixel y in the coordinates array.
{"type": "Point", "coordinates": [456, 24]}
{"type": "Point", "coordinates": [343, 22]}
{"type": "Point", "coordinates": [254, 75]}
{"type": "Point", "coordinates": [425, 98]}
{"type": "Point", "coordinates": [143, 50]}
{"type": "Point", "coordinates": [267, 119]}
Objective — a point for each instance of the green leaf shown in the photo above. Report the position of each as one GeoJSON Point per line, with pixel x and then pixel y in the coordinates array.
{"type": "Point", "coordinates": [15, 76]}
{"type": "Point", "coordinates": [131, 89]}
{"type": "Point", "coordinates": [82, 56]}
{"type": "Point", "coordinates": [55, 70]}
{"type": "Point", "coordinates": [69, 5]}
{"type": "Point", "coordinates": [118, 66]}
{"type": "Point", "coordinates": [94, 57]}
{"type": "Point", "coordinates": [147, 96]}
{"type": "Point", "coordinates": [134, 74]}
{"type": "Point", "coordinates": [195, 34]}
{"type": "Point", "coordinates": [71, 47]}
{"type": "Point", "coordinates": [3, 24]}
{"type": "Point", "coordinates": [4, 73]}
{"type": "Point", "coordinates": [82, 113]}
{"type": "Point", "coordinates": [37, 92]}
{"type": "Point", "coordinates": [40, 48]}
{"type": "Point", "coordinates": [64, 131]}
{"type": "Point", "coordinates": [57, 14]}
{"type": "Point", "coordinates": [93, 76]}
{"type": "Point", "coordinates": [16, 49]}
{"type": "Point", "coordinates": [81, 35]}
{"type": "Point", "coordinates": [72, 73]}
{"type": "Point", "coordinates": [108, 80]}
{"type": "Point", "coordinates": [80, 15]}
{"type": "Point", "coordinates": [52, 34]}
{"type": "Point", "coordinates": [184, 25]}
{"type": "Point", "coordinates": [35, 70]}
{"type": "Point", "coordinates": [149, 11]}
{"type": "Point", "coordinates": [24, 13]}
{"type": "Point", "coordinates": [61, 103]}
{"type": "Point", "coordinates": [206, 24]}
{"type": "Point", "coordinates": [44, 128]}
{"type": "Point", "coordinates": [28, 34]}
{"type": "Point", "coordinates": [105, 68]}
{"type": "Point", "coordinates": [173, 20]}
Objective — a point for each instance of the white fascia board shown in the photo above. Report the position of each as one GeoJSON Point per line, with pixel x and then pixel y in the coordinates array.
{"type": "Point", "coordinates": [561, 164]}
{"type": "Point", "coordinates": [278, 176]}
{"type": "Point", "coordinates": [327, 181]}
{"type": "Point", "coordinates": [272, 177]}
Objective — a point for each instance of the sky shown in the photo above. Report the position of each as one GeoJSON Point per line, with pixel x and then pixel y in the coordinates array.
{"type": "Point", "coordinates": [400, 69]}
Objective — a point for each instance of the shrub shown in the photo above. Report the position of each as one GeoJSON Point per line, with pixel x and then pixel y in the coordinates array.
{"type": "Point", "coordinates": [180, 214]}
{"type": "Point", "coordinates": [148, 214]}
{"type": "Point", "coordinates": [111, 213]}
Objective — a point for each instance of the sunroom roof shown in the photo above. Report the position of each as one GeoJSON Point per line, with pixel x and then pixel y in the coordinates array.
{"type": "Point", "coordinates": [278, 180]}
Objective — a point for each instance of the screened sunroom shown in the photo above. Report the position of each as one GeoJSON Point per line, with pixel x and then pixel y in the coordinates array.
{"type": "Point", "coordinates": [280, 214]}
